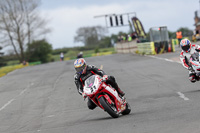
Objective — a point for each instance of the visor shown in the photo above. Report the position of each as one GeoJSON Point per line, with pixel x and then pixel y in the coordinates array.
{"type": "Point", "coordinates": [186, 47]}
{"type": "Point", "coordinates": [80, 69]}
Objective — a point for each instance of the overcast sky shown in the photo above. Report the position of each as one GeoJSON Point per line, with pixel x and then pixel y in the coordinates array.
{"type": "Point", "coordinates": [66, 16]}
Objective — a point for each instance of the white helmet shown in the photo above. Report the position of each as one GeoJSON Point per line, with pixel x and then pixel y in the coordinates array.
{"type": "Point", "coordinates": [185, 45]}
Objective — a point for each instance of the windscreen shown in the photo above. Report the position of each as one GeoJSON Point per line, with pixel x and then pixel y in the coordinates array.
{"type": "Point", "coordinates": [90, 81]}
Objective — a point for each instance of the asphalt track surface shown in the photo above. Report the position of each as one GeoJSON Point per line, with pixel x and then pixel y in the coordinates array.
{"type": "Point", "coordinates": [44, 99]}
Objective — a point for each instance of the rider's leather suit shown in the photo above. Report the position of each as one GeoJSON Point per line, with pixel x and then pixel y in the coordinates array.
{"type": "Point", "coordinates": [185, 57]}
{"type": "Point", "coordinates": [92, 70]}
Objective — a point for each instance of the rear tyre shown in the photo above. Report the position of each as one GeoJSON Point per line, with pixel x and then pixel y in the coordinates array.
{"type": "Point", "coordinates": [110, 109]}
{"type": "Point", "coordinates": [128, 109]}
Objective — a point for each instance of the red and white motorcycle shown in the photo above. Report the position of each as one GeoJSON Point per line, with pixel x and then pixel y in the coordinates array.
{"type": "Point", "coordinates": [105, 97]}
{"type": "Point", "coordinates": [195, 63]}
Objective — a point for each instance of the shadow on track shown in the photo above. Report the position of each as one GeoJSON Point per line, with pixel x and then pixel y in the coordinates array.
{"type": "Point", "coordinates": [109, 118]}
{"type": "Point", "coordinates": [193, 91]}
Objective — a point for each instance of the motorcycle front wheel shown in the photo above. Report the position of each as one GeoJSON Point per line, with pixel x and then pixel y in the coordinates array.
{"type": "Point", "coordinates": [127, 110]}
{"type": "Point", "coordinates": [110, 109]}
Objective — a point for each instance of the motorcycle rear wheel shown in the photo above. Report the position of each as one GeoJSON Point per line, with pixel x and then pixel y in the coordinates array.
{"type": "Point", "coordinates": [108, 108]}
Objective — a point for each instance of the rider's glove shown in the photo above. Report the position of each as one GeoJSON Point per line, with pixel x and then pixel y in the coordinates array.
{"type": "Point", "coordinates": [105, 77]}
{"type": "Point", "coordinates": [84, 95]}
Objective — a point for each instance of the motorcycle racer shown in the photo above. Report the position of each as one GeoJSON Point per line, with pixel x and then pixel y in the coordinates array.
{"type": "Point", "coordinates": [84, 71]}
{"type": "Point", "coordinates": [188, 50]}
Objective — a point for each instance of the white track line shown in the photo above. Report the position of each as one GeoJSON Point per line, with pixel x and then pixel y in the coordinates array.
{"type": "Point", "coordinates": [165, 59]}
{"type": "Point", "coordinates": [181, 95]}
{"type": "Point", "coordinates": [50, 116]}
{"type": "Point", "coordinates": [169, 60]}
{"type": "Point", "coordinates": [5, 105]}
{"type": "Point", "coordinates": [10, 101]}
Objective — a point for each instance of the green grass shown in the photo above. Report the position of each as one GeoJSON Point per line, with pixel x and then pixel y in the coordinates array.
{"type": "Point", "coordinates": [7, 69]}
{"type": "Point", "coordinates": [12, 65]}
{"type": "Point", "coordinates": [72, 55]}
{"type": "Point", "coordinates": [87, 53]}
{"type": "Point", "coordinates": [13, 62]}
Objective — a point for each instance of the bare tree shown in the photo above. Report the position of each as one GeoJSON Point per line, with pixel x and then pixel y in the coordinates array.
{"type": "Point", "coordinates": [90, 36]}
{"type": "Point", "coordinates": [20, 24]}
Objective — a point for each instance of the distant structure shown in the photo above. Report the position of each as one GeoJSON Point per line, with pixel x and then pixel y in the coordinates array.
{"type": "Point", "coordinates": [197, 22]}
{"type": "Point", "coordinates": [196, 33]}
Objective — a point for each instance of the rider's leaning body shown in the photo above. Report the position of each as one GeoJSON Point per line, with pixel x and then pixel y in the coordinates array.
{"type": "Point", "coordinates": [84, 71]}
{"type": "Point", "coordinates": [188, 50]}
{"type": "Point", "coordinates": [80, 78]}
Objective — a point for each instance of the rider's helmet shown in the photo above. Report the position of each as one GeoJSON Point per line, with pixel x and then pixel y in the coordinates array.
{"type": "Point", "coordinates": [80, 65]}
{"type": "Point", "coordinates": [185, 45]}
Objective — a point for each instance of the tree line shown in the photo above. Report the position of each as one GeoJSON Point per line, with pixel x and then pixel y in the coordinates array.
{"type": "Point", "coordinates": [20, 25]}
{"type": "Point", "coordinates": [24, 30]}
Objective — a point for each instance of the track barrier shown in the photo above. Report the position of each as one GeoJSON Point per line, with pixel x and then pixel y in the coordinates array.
{"type": "Point", "coordinates": [126, 47]}
{"type": "Point", "coordinates": [150, 48]}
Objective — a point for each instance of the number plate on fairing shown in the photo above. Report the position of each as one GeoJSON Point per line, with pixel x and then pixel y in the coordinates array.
{"type": "Point", "coordinates": [91, 85]}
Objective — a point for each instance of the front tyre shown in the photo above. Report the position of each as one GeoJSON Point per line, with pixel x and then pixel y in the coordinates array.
{"type": "Point", "coordinates": [127, 110]}
{"type": "Point", "coordinates": [110, 109]}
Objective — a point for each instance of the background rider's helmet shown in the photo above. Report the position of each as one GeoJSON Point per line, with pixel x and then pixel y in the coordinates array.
{"type": "Point", "coordinates": [185, 45]}
{"type": "Point", "coordinates": [80, 65]}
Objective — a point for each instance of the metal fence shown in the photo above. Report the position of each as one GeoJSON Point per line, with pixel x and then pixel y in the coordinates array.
{"type": "Point", "coordinates": [159, 34]}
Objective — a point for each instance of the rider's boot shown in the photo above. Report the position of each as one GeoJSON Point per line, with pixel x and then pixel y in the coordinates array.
{"type": "Point", "coordinates": [112, 82]}
{"type": "Point", "coordinates": [120, 92]}
{"type": "Point", "coordinates": [192, 77]}
{"type": "Point", "coordinates": [197, 76]}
